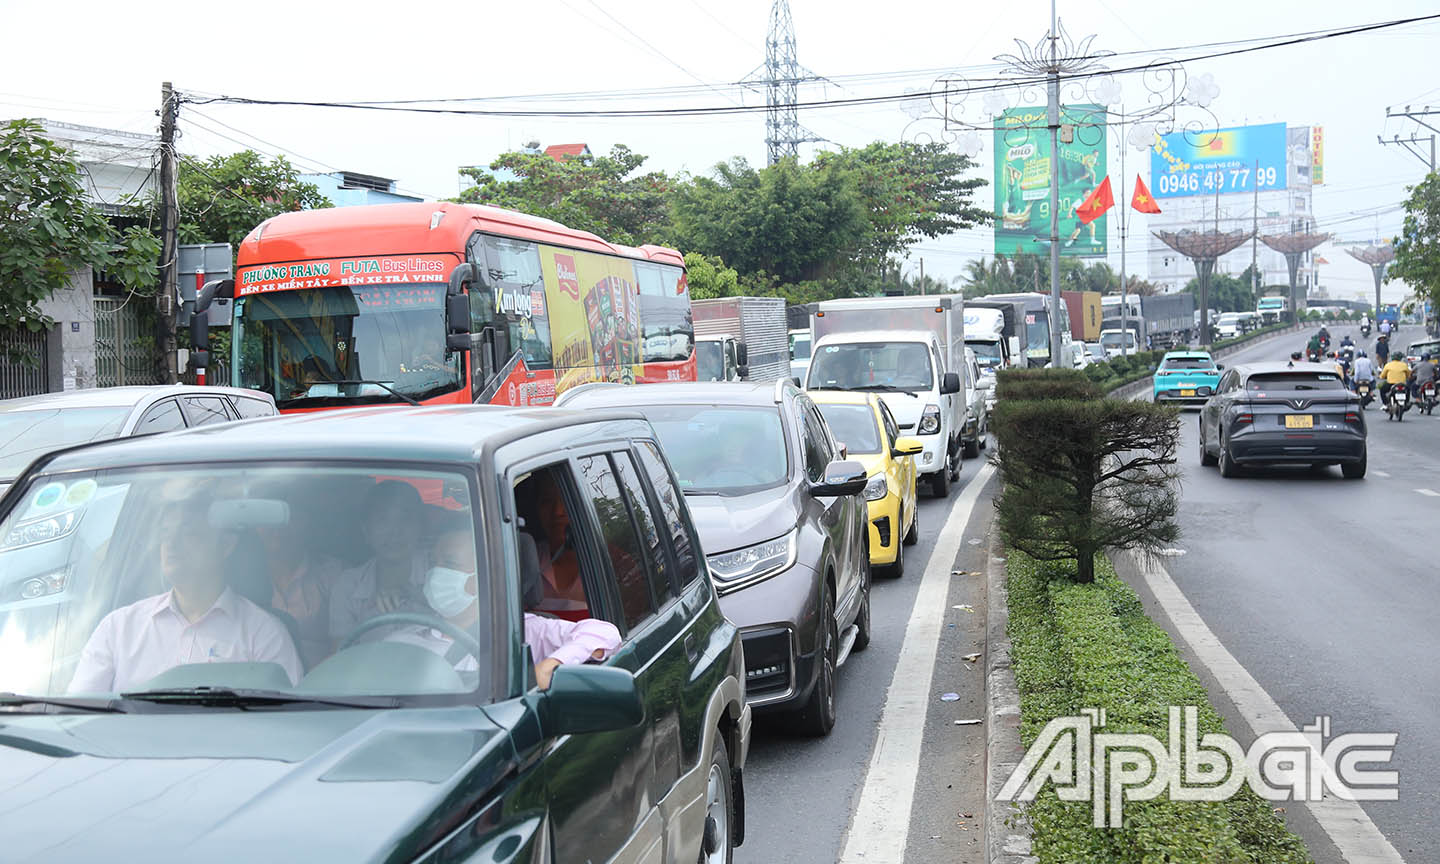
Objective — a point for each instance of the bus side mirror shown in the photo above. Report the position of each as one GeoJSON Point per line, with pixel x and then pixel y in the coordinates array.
{"type": "Point", "coordinates": [200, 338]}
{"type": "Point", "coordinates": [457, 313]}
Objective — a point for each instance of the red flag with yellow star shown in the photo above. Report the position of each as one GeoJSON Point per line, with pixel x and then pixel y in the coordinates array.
{"type": "Point", "coordinates": [1096, 203]}
{"type": "Point", "coordinates": [1142, 199]}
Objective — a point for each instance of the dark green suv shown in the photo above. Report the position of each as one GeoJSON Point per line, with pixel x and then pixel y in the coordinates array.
{"type": "Point", "coordinates": [427, 634]}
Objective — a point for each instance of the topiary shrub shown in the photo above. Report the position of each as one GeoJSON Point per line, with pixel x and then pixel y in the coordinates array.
{"type": "Point", "coordinates": [1031, 384]}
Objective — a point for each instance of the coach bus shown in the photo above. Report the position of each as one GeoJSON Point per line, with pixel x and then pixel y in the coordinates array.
{"type": "Point", "coordinates": [440, 302]}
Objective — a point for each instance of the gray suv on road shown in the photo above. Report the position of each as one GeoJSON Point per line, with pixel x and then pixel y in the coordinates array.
{"type": "Point", "coordinates": [782, 523]}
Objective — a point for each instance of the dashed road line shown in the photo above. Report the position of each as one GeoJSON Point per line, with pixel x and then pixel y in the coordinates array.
{"type": "Point", "coordinates": [1431, 492]}
{"type": "Point", "coordinates": [1381, 473]}
{"type": "Point", "coordinates": [880, 824]}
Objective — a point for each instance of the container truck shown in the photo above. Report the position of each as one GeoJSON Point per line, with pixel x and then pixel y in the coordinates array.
{"type": "Point", "coordinates": [1157, 320]}
{"type": "Point", "coordinates": [1085, 314]}
{"type": "Point", "coordinates": [744, 337]}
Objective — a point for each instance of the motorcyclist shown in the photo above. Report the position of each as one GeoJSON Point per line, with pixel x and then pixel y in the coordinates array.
{"type": "Point", "coordinates": [1364, 370]}
{"type": "Point", "coordinates": [1394, 373]}
{"type": "Point", "coordinates": [1423, 371]}
{"type": "Point", "coordinates": [1386, 327]}
{"type": "Point", "coordinates": [1295, 357]}
{"type": "Point", "coordinates": [1346, 341]}
{"type": "Point", "coordinates": [1312, 348]}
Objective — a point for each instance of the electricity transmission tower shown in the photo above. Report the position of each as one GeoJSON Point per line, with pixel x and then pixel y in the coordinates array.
{"type": "Point", "coordinates": [781, 76]}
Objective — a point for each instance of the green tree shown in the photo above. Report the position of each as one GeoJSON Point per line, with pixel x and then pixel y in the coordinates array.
{"type": "Point", "coordinates": [1417, 249]}
{"type": "Point", "coordinates": [49, 228]}
{"type": "Point", "coordinates": [223, 198]}
{"type": "Point", "coordinates": [601, 194]}
{"type": "Point", "coordinates": [709, 278]}
{"type": "Point", "coordinates": [1227, 293]}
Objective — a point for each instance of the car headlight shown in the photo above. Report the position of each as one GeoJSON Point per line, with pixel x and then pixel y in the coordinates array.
{"type": "Point", "coordinates": [876, 488]}
{"type": "Point", "coordinates": [752, 563]}
{"type": "Point", "coordinates": [930, 420]}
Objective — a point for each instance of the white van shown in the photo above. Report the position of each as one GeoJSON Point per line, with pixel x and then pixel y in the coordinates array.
{"type": "Point", "coordinates": [904, 368]}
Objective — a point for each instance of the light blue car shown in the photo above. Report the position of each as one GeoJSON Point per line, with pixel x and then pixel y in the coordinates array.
{"type": "Point", "coordinates": [1189, 377]}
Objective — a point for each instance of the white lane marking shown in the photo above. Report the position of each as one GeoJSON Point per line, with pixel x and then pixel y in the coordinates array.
{"type": "Point", "coordinates": [1347, 823]}
{"type": "Point", "coordinates": [1381, 473]}
{"type": "Point", "coordinates": [1431, 492]}
{"type": "Point", "coordinates": [881, 821]}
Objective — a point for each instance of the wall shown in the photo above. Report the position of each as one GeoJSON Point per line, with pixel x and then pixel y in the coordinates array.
{"type": "Point", "coordinates": [72, 354]}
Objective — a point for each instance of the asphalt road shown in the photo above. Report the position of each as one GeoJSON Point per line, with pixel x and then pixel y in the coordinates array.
{"type": "Point", "coordinates": [1328, 592]}
{"type": "Point", "coordinates": [801, 792]}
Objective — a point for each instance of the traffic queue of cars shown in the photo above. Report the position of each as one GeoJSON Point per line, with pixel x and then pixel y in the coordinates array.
{"type": "Point", "coordinates": [526, 633]}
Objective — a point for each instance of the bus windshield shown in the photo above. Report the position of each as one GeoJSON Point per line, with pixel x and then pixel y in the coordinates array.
{"type": "Point", "coordinates": [1037, 333]}
{"type": "Point", "coordinates": [315, 347]}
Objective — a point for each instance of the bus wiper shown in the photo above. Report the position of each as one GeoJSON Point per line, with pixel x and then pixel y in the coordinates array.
{"type": "Point", "coordinates": [392, 390]}
{"type": "Point", "coordinates": [227, 697]}
{"type": "Point", "coordinates": [102, 706]}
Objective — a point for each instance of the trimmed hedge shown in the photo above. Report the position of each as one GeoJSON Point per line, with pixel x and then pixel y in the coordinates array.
{"type": "Point", "coordinates": [1091, 646]}
{"type": "Point", "coordinates": [1039, 384]}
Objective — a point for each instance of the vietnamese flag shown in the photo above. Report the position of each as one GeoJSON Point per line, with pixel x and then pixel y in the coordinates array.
{"type": "Point", "coordinates": [1142, 199]}
{"type": "Point", "coordinates": [1096, 203]}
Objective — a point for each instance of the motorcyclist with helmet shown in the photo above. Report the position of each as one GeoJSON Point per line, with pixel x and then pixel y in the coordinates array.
{"type": "Point", "coordinates": [1395, 373]}
{"type": "Point", "coordinates": [1424, 371]}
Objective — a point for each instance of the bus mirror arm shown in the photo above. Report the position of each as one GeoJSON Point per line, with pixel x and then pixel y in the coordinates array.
{"type": "Point", "coordinates": [464, 274]}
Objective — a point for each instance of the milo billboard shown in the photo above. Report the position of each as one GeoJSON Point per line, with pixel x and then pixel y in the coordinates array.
{"type": "Point", "coordinates": [1022, 180]}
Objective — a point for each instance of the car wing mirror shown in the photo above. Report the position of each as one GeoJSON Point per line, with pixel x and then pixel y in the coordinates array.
{"type": "Point", "coordinates": [950, 383]}
{"type": "Point", "coordinates": [842, 477]}
{"type": "Point", "coordinates": [906, 446]}
{"type": "Point", "coordinates": [587, 698]}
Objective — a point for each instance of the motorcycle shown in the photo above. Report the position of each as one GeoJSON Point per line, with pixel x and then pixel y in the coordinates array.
{"type": "Point", "coordinates": [1398, 403]}
{"type": "Point", "coordinates": [1366, 391]}
{"type": "Point", "coordinates": [1312, 355]}
{"type": "Point", "coordinates": [1364, 329]}
{"type": "Point", "coordinates": [1324, 344]}
{"type": "Point", "coordinates": [1429, 396]}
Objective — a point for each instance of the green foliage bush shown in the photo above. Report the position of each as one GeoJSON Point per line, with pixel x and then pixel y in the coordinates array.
{"type": "Point", "coordinates": [1091, 646]}
{"type": "Point", "coordinates": [1033, 384]}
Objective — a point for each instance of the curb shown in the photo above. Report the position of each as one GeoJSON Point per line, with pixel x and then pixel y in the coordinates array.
{"type": "Point", "coordinates": [1007, 839]}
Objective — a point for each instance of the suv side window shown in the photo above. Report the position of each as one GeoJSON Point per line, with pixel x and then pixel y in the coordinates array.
{"type": "Point", "coordinates": [206, 410]}
{"type": "Point", "coordinates": [627, 555]}
{"type": "Point", "coordinates": [162, 417]}
{"type": "Point", "coordinates": [681, 540]}
{"type": "Point", "coordinates": [660, 582]}
{"type": "Point", "coordinates": [817, 443]}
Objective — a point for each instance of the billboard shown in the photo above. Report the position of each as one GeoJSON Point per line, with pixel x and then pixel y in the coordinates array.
{"type": "Point", "coordinates": [1237, 159]}
{"type": "Point", "coordinates": [1022, 181]}
{"type": "Point", "coordinates": [1317, 155]}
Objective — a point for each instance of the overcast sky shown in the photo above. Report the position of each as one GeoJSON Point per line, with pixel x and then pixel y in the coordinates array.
{"type": "Point", "coordinates": [102, 64]}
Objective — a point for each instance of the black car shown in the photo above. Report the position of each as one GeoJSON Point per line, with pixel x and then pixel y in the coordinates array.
{"type": "Point", "coordinates": [1281, 413]}
{"type": "Point", "coordinates": [782, 523]}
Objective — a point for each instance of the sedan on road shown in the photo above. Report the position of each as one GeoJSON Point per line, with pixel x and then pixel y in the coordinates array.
{"type": "Point", "coordinates": [1283, 413]}
{"type": "Point", "coordinates": [782, 523]}
{"type": "Point", "coordinates": [32, 426]}
{"type": "Point", "coordinates": [1187, 377]}
{"type": "Point", "coordinates": [865, 427]}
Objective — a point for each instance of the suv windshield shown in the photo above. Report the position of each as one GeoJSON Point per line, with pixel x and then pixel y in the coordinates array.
{"type": "Point", "coordinates": [872, 366]}
{"type": "Point", "coordinates": [27, 434]}
{"type": "Point", "coordinates": [853, 425]}
{"type": "Point", "coordinates": [722, 450]}
{"type": "Point", "coordinates": [301, 346]}
{"type": "Point", "coordinates": [309, 581]}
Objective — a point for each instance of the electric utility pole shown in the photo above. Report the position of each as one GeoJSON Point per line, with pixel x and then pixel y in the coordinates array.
{"type": "Point", "coordinates": [169, 238]}
{"type": "Point", "coordinates": [1053, 116]}
{"type": "Point", "coordinates": [1255, 241]}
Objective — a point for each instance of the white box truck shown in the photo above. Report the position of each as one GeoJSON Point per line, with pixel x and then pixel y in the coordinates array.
{"type": "Point", "coordinates": [741, 339]}
{"type": "Point", "coordinates": [910, 351]}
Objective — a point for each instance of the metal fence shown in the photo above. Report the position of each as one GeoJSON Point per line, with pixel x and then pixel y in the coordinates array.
{"type": "Point", "coordinates": [123, 344]}
{"type": "Point", "coordinates": [24, 363]}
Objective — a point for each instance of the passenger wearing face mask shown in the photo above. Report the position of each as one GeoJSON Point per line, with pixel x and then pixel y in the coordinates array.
{"type": "Point", "coordinates": [451, 589]}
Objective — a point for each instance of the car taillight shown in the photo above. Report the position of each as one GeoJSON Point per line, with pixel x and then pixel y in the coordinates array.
{"type": "Point", "coordinates": [1352, 417]}
{"type": "Point", "coordinates": [1242, 419]}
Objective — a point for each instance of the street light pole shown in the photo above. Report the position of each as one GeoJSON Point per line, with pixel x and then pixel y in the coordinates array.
{"type": "Point", "coordinates": [1124, 303]}
{"type": "Point", "coordinates": [1054, 120]}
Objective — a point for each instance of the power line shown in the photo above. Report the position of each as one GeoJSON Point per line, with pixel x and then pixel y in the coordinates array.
{"type": "Point", "coordinates": [987, 84]}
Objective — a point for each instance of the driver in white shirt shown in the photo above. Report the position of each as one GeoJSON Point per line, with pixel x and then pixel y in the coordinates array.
{"type": "Point", "coordinates": [199, 620]}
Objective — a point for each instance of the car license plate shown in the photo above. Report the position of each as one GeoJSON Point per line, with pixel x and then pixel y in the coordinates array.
{"type": "Point", "coordinates": [1187, 392]}
{"type": "Point", "coordinates": [1299, 421]}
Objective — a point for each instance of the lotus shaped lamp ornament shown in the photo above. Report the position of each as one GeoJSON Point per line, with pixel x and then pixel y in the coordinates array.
{"type": "Point", "coordinates": [1201, 90]}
